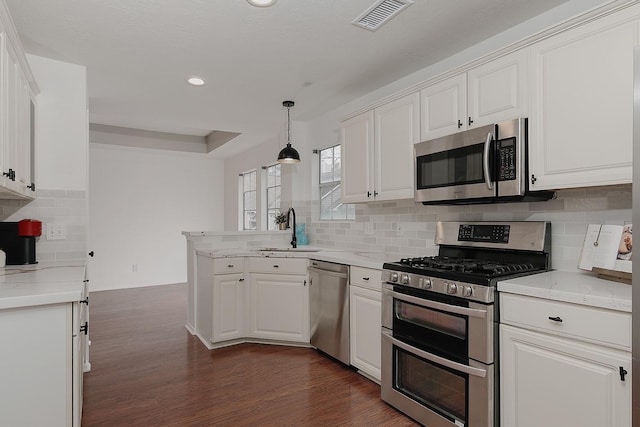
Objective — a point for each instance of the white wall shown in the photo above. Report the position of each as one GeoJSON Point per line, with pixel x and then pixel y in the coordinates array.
{"type": "Point", "coordinates": [61, 124]}
{"type": "Point", "coordinates": [140, 202]}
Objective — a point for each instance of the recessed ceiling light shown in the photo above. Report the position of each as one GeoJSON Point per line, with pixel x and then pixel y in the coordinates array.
{"type": "Point", "coordinates": [262, 3]}
{"type": "Point", "coordinates": [196, 81]}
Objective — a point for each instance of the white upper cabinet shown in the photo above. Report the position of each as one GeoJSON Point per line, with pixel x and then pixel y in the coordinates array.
{"type": "Point", "coordinates": [377, 151]}
{"type": "Point", "coordinates": [497, 90]}
{"type": "Point", "coordinates": [357, 157]}
{"type": "Point", "coordinates": [444, 108]}
{"type": "Point", "coordinates": [16, 118]}
{"type": "Point", "coordinates": [581, 126]}
{"type": "Point", "coordinates": [494, 91]}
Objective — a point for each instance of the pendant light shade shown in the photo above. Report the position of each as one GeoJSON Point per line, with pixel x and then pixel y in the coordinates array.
{"type": "Point", "coordinates": [288, 154]}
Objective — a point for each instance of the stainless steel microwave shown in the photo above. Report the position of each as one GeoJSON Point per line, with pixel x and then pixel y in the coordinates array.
{"type": "Point", "coordinates": [487, 164]}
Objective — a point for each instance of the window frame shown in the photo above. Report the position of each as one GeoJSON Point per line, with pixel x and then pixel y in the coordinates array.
{"type": "Point", "coordinates": [269, 224]}
{"type": "Point", "coordinates": [349, 209]}
{"type": "Point", "coordinates": [242, 196]}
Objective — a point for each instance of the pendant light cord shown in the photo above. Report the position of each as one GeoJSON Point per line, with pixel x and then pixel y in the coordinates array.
{"type": "Point", "coordinates": [288, 125]}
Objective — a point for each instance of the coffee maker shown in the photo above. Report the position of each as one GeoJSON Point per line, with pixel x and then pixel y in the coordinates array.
{"type": "Point", "coordinates": [18, 240]}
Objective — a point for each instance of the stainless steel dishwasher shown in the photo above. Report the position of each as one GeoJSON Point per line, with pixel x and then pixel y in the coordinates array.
{"type": "Point", "coordinates": [329, 308]}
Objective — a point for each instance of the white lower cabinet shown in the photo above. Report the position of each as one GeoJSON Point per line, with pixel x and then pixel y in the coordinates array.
{"type": "Point", "coordinates": [279, 299]}
{"type": "Point", "coordinates": [365, 326]}
{"type": "Point", "coordinates": [557, 382]}
{"type": "Point", "coordinates": [228, 307]}
{"type": "Point", "coordinates": [279, 307]}
{"type": "Point", "coordinates": [365, 303]}
{"type": "Point", "coordinates": [41, 366]}
{"type": "Point", "coordinates": [552, 372]}
{"type": "Point", "coordinates": [219, 299]}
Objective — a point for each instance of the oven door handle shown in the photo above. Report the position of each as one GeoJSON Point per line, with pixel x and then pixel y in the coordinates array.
{"type": "Point", "coordinates": [437, 305]}
{"type": "Point", "coordinates": [386, 334]}
{"type": "Point", "coordinates": [485, 161]}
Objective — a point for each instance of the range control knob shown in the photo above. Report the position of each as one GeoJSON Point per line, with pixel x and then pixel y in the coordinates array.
{"type": "Point", "coordinates": [452, 288]}
{"type": "Point", "coordinates": [404, 279]}
{"type": "Point", "coordinates": [393, 277]}
{"type": "Point", "coordinates": [427, 284]}
{"type": "Point", "coordinates": [467, 291]}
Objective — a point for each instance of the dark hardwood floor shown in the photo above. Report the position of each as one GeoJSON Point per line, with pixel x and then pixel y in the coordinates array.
{"type": "Point", "coordinates": [147, 370]}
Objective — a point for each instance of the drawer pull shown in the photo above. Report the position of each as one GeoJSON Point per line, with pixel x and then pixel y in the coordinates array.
{"type": "Point", "coordinates": [230, 265]}
{"type": "Point", "coordinates": [556, 319]}
{"type": "Point", "coordinates": [275, 266]}
{"type": "Point", "coordinates": [365, 278]}
{"type": "Point", "coordinates": [623, 373]}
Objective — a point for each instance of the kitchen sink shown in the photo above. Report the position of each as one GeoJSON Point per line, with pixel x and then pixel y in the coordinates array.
{"type": "Point", "coordinates": [288, 250]}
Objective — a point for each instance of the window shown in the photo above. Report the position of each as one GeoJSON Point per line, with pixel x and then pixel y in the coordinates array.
{"type": "Point", "coordinates": [249, 193]}
{"type": "Point", "coordinates": [273, 195]}
{"type": "Point", "coordinates": [331, 207]}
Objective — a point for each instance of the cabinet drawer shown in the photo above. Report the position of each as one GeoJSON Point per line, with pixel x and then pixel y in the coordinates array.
{"type": "Point", "coordinates": [366, 277]}
{"type": "Point", "coordinates": [572, 320]}
{"type": "Point", "coordinates": [228, 265]}
{"type": "Point", "coordinates": [278, 265]}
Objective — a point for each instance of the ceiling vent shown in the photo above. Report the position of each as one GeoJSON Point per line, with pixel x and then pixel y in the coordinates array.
{"type": "Point", "coordinates": [380, 13]}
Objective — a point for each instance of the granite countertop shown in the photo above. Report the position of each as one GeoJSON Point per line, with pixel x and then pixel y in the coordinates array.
{"type": "Point", "coordinates": [573, 287]}
{"type": "Point", "coordinates": [354, 258]}
{"type": "Point", "coordinates": [42, 283]}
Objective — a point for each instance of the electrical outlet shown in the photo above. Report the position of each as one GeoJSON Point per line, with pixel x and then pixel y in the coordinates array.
{"type": "Point", "coordinates": [56, 231]}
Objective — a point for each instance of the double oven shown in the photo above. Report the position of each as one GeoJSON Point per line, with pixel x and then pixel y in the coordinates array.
{"type": "Point", "coordinates": [440, 323]}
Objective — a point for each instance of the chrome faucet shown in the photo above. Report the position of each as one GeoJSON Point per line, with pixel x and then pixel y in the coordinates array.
{"type": "Point", "coordinates": [294, 241]}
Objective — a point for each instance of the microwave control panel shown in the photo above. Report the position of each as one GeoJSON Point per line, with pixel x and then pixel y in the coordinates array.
{"type": "Point", "coordinates": [507, 159]}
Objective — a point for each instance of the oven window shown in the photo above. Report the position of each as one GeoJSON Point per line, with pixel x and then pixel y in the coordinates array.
{"type": "Point", "coordinates": [438, 388]}
{"type": "Point", "coordinates": [435, 331]}
{"type": "Point", "coordinates": [452, 167]}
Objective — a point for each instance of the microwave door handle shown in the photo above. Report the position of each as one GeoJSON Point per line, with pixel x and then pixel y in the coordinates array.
{"type": "Point", "coordinates": [485, 161]}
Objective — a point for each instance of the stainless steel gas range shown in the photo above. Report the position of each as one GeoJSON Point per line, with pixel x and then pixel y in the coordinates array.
{"type": "Point", "coordinates": [439, 323]}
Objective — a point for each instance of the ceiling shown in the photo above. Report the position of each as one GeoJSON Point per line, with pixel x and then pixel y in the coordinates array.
{"type": "Point", "coordinates": [138, 53]}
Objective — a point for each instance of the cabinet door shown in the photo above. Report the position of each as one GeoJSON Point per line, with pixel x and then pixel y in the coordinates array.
{"type": "Point", "coordinates": [12, 71]}
{"type": "Point", "coordinates": [279, 307]}
{"type": "Point", "coordinates": [444, 107]}
{"type": "Point", "coordinates": [228, 307]}
{"type": "Point", "coordinates": [365, 324]}
{"type": "Point", "coordinates": [23, 149]}
{"type": "Point", "coordinates": [498, 90]}
{"type": "Point", "coordinates": [397, 128]}
{"type": "Point", "coordinates": [581, 126]}
{"type": "Point", "coordinates": [357, 158]}
{"type": "Point", "coordinates": [556, 382]}
{"type": "Point", "coordinates": [37, 366]}
{"type": "Point", "coordinates": [204, 299]}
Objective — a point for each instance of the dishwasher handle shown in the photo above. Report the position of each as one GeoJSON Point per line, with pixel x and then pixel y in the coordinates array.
{"type": "Point", "coordinates": [329, 273]}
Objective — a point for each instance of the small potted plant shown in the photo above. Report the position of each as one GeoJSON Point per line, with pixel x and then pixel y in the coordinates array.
{"type": "Point", "coordinates": [280, 218]}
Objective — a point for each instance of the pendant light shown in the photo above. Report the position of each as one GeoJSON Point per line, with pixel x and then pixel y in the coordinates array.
{"type": "Point", "coordinates": [288, 154]}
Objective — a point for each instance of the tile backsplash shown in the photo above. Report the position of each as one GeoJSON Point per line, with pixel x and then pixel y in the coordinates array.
{"type": "Point", "coordinates": [407, 229]}
{"type": "Point", "coordinates": [61, 207]}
